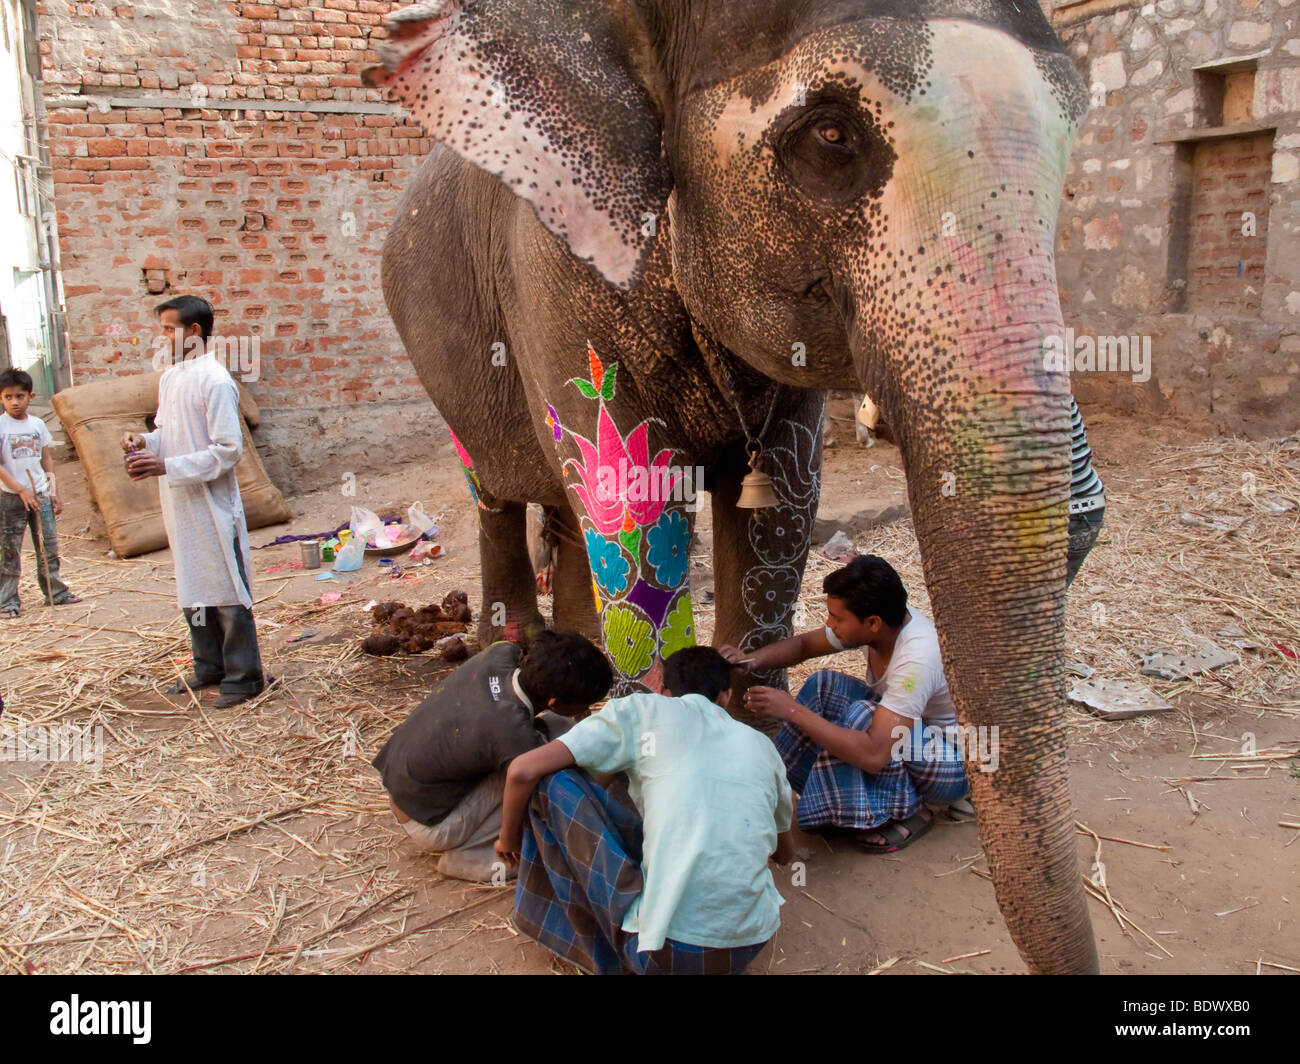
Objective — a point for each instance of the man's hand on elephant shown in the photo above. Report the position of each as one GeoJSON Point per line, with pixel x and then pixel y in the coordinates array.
{"type": "Point", "coordinates": [737, 658]}
{"type": "Point", "coordinates": [769, 702]}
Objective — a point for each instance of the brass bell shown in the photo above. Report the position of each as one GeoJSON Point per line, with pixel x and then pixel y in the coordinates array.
{"type": "Point", "coordinates": [756, 491]}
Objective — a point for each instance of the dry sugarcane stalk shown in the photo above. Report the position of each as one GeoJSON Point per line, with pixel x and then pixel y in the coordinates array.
{"type": "Point", "coordinates": [238, 829]}
{"type": "Point", "coordinates": [41, 563]}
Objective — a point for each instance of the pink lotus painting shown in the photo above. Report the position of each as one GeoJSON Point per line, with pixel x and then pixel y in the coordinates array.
{"type": "Point", "coordinates": [608, 467]}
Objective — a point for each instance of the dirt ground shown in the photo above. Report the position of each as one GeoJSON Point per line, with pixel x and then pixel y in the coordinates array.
{"type": "Point", "coordinates": [259, 839]}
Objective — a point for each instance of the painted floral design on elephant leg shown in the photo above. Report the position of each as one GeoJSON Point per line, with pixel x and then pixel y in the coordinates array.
{"type": "Point", "coordinates": [780, 536]}
{"type": "Point", "coordinates": [467, 464]}
{"type": "Point", "coordinates": [636, 528]}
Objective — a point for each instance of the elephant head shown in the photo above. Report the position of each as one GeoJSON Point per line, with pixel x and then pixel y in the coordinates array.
{"type": "Point", "coordinates": [856, 193]}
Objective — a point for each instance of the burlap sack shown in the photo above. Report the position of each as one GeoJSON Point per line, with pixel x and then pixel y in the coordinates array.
{"type": "Point", "coordinates": [96, 415]}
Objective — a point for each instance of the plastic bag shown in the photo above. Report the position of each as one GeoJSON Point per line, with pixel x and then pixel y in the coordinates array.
{"type": "Point", "coordinates": [366, 526]}
{"type": "Point", "coordinates": [349, 557]}
{"type": "Point", "coordinates": [416, 517]}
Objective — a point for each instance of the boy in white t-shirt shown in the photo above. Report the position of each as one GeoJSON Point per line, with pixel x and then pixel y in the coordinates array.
{"type": "Point", "coordinates": [28, 496]}
{"type": "Point", "coordinates": [865, 754]}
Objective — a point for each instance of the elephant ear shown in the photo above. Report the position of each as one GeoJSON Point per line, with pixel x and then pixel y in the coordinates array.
{"type": "Point", "coordinates": [545, 95]}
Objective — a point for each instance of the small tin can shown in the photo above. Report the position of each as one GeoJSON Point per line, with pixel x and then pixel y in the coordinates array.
{"type": "Point", "coordinates": [311, 554]}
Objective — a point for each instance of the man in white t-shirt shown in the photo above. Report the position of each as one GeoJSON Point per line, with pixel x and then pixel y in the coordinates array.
{"type": "Point", "coordinates": [865, 754]}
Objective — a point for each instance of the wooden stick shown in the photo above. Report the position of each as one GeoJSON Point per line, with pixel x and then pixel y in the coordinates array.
{"type": "Point", "coordinates": [41, 563]}
{"type": "Point", "coordinates": [846, 919]}
{"type": "Point", "coordinates": [221, 836]}
{"type": "Point", "coordinates": [964, 956]}
{"type": "Point", "coordinates": [1263, 755]}
{"type": "Point", "coordinates": [398, 936]}
{"type": "Point", "coordinates": [1121, 915]}
{"type": "Point", "coordinates": [1084, 830]}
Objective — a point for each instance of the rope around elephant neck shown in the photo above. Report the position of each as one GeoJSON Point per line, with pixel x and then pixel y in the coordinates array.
{"type": "Point", "coordinates": [753, 444]}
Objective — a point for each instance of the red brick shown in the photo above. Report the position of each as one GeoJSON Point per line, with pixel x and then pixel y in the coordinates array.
{"type": "Point", "coordinates": [106, 147]}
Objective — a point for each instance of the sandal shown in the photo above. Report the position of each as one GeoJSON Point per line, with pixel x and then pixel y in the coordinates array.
{"type": "Point", "coordinates": [195, 684]}
{"type": "Point", "coordinates": [898, 834]}
{"type": "Point", "coordinates": [71, 600]}
{"type": "Point", "coordinates": [959, 812]}
{"type": "Point", "coordinates": [10, 615]}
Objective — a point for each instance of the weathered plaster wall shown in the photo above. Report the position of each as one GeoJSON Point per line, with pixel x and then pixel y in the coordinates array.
{"type": "Point", "coordinates": [1124, 255]}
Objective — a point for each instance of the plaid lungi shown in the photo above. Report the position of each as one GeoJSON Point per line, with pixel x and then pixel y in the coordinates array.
{"type": "Point", "coordinates": [580, 872]}
{"type": "Point", "coordinates": [833, 793]}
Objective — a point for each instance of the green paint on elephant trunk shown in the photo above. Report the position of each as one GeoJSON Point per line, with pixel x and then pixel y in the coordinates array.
{"type": "Point", "coordinates": [993, 550]}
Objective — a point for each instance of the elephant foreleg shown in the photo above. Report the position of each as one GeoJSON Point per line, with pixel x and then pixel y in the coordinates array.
{"type": "Point", "coordinates": [759, 555]}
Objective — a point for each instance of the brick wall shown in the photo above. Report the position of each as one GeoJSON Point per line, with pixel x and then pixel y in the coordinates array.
{"type": "Point", "coordinates": [230, 150]}
{"type": "Point", "coordinates": [1226, 258]}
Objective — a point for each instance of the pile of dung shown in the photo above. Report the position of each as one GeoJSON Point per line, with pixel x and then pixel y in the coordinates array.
{"type": "Point", "coordinates": [400, 629]}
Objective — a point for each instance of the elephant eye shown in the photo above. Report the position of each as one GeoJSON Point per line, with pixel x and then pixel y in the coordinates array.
{"type": "Point", "coordinates": [834, 155]}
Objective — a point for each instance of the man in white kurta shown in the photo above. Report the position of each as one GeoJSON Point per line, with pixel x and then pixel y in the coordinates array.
{"type": "Point", "coordinates": [194, 450]}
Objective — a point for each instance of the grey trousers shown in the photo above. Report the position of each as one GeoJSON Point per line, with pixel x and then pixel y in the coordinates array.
{"type": "Point", "coordinates": [1084, 530]}
{"type": "Point", "coordinates": [224, 639]}
{"type": "Point", "coordinates": [15, 520]}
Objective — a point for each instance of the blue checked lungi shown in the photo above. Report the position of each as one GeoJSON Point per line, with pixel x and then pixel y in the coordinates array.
{"type": "Point", "coordinates": [580, 872]}
{"type": "Point", "coordinates": [833, 793]}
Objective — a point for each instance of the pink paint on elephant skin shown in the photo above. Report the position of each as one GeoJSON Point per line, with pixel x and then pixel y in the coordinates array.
{"type": "Point", "coordinates": [702, 189]}
{"type": "Point", "coordinates": [599, 469]}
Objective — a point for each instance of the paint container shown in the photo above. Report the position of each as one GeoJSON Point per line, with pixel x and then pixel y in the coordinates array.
{"type": "Point", "coordinates": [311, 554]}
{"type": "Point", "coordinates": [327, 554]}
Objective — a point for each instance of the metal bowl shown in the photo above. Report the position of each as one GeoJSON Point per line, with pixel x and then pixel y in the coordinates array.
{"type": "Point", "coordinates": [401, 547]}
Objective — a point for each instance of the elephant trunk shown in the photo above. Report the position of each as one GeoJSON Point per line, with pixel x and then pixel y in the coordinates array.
{"type": "Point", "coordinates": [989, 487]}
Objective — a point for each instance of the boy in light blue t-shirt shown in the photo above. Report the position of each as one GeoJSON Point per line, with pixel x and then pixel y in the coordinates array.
{"type": "Point", "coordinates": [683, 889]}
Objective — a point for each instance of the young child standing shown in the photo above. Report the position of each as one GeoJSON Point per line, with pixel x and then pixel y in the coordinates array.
{"type": "Point", "coordinates": [28, 496]}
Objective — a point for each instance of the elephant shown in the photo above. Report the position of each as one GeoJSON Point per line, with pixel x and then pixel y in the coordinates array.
{"type": "Point", "coordinates": [655, 233]}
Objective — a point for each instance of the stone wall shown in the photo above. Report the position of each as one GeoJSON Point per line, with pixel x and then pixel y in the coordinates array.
{"type": "Point", "coordinates": [1181, 217]}
{"type": "Point", "coordinates": [230, 150]}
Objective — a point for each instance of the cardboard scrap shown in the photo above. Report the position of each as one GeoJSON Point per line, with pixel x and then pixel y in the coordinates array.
{"type": "Point", "coordinates": [1116, 699]}
{"type": "Point", "coordinates": [1214, 522]}
{"type": "Point", "coordinates": [1171, 665]}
